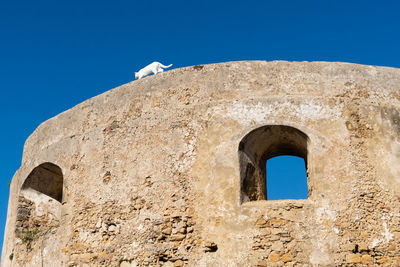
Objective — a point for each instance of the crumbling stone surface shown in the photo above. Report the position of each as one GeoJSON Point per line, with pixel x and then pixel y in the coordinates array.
{"type": "Point", "coordinates": [151, 172]}
{"type": "Point", "coordinates": [30, 230]}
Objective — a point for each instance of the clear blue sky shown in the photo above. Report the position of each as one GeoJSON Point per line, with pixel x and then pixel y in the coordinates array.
{"type": "Point", "coordinates": [286, 178]}
{"type": "Point", "coordinates": [56, 54]}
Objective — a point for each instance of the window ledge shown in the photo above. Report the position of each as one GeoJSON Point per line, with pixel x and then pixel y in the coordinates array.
{"type": "Point", "coordinates": [284, 203]}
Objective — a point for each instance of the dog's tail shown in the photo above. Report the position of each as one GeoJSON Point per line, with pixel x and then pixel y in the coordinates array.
{"type": "Point", "coordinates": [165, 66]}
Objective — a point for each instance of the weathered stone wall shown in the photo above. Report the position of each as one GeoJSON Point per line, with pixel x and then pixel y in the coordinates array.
{"type": "Point", "coordinates": [151, 172]}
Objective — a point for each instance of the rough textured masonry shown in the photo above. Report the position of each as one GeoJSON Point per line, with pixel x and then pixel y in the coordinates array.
{"type": "Point", "coordinates": [169, 170]}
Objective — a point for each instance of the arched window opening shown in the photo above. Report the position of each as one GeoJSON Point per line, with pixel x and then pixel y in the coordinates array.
{"type": "Point", "coordinates": [260, 145]}
{"type": "Point", "coordinates": [47, 179]}
{"type": "Point", "coordinates": [39, 204]}
{"type": "Point", "coordinates": [286, 178]}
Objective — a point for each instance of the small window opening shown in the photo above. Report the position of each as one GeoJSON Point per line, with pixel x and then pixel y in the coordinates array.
{"type": "Point", "coordinates": [47, 179]}
{"type": "Point", "coordinates": [39, 204]}
{"type": "Point", "coordinates": [286, 178]}
{"type": "Point", "coordinates": [258, 147]}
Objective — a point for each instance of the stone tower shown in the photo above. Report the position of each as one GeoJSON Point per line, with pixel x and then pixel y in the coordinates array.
{"type": "Point", "coordinates": [169, 170]}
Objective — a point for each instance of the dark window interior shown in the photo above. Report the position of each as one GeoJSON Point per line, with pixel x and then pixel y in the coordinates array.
{"type": "Point", "coordinates": [46, 178]}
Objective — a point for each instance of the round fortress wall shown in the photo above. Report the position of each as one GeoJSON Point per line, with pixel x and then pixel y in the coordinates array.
{"type": "Point", "coordinates": [155, 172]}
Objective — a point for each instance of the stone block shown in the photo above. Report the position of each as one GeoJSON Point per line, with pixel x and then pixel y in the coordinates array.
{"type": "Point", "coordinates": [353, 258]}
{"type": "Point", "coordinates": [367, 259]}
{"type": "Point", "coordinates": [262, 263]}
{"type": "Point", "coordinates": [287, 257]}
{"type": "Point", "coordinates": [274, 256]}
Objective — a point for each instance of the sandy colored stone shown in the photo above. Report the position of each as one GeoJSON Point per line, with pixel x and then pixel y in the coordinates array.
{"type": "Point", "coordinates": [265, 231]}
{"type": "Point", "coordinates": [178, 263]}
{"type": "Point", "coordinates": [276, 222]}
{"type": "Point", "coordinates": [177, 237]}
{"type": "Point", "coordinates": [349, 247]}
{"type": "Point", "coordinates": [262, 263]}
{"type": "Point", "coordinates": [362, 247]}
{"type": "Point", "coordinates": [277, 246]}
{"type": "Point", "coordinates": [79, 246]}
{"type": "Point", "coordinates": [85, 257]}
{"type": "Point", "coordinates": [383, 260]}
{"type": "Point", "coordinates": [287, 257]}
{"type": "Point", "coordinates": [154, 169]}
{"type": "Point", "coordinates": [392, 247]}
{"type": "Point", "coordinates": [364, 234]}
{"type": "Point", "coordinates": [167, 231]}
{"type": "Point", "coordinates": [367, 259]}
{"type": "Point", "coordinates": [261, 222]}
{"type": "Point", "coordinates": [274, 256]}
{"type": "Point", "coordinates": [353, 258]}
{"type": "Point", "coordinates": [396, 235]}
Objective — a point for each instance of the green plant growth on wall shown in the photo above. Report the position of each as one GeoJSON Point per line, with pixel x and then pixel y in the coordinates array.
{"type": "Point", "coordinates": [29, 235]}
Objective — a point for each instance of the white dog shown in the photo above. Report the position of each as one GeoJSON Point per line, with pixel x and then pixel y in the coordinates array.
{"type": "Point", "coordinates": [154, 67]}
